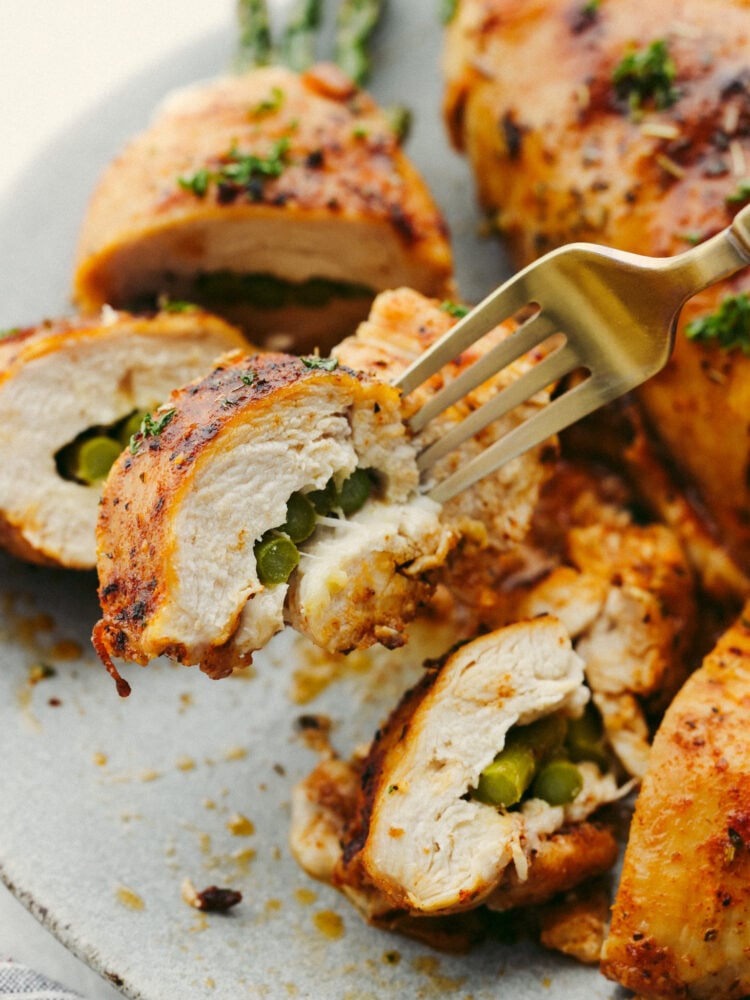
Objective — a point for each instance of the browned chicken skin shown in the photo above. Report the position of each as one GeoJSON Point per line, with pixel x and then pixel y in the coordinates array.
{"type": "Point", "coordinates": [679, 924]}
{"type": "Point", "coordinates": [565, 153]}
{"type": "Point", "coordinates": [245, 189]}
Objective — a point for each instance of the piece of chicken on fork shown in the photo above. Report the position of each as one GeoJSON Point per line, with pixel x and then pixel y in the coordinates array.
{"type": "Point", "coordinates": [72, 392]}
{"type": "Point", "coordinates": [282, 200]}
{"type": "Point", "coordinates": [467, 794]}
{"type": "Point", "coordinates": [275, 490]}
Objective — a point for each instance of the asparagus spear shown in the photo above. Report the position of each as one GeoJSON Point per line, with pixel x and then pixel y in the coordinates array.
{"type": "Point", "coordinates": [254, 46]}
{"type": "Point", "coordinates": [355, 22]}
{"type": "Point", "coordinates": [298, 39]}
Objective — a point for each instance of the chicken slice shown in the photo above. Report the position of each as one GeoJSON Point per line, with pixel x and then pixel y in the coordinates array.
{"type": "Point", "coordinates": [640, 140]}
{"type": "Point", "coordinates": [185, 509]}
{"type": "Point", "coordinates": [64, 381]}
{"type": "Point", "coordinates": [283, 201]}
{"type": "Point", "coordinates": [681, 918]}
{"type": "Point", "coordinates": [418, 842]}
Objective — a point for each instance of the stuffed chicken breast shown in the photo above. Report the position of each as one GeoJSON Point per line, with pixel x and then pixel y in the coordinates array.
{"type": "Point", "coordinates": [71, 394]}
{"type": "Point", "coordinates": [681, 918]}
{"type": "Point", "coordinates": [466, 795]}
{"type": "Point", "coordinates": [279, 199]}
{"type": "Point", "coordinates": [276, 489]}
{"type": "Point", "coordinates": [639, 139]}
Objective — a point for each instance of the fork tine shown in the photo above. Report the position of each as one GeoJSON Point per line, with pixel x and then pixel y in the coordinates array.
{"type": "Point", "coordinates": [577, 402]}
{"type": "Point", "coordinates": [530, 334]}
{"type": "Point", "coordinates": [496, 307]}
{"type": "Point", "coordinates": [553, 367]}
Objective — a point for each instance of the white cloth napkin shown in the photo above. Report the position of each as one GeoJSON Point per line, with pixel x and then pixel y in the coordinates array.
{"type": "Point", "coordinates": [17, 982]}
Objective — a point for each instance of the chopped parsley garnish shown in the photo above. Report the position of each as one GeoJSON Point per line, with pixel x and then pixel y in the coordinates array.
{"type": "Point", "coordinates": [590, 8]}
{"type": "Point", "coordinates": [741, 194]}
{"type": "Point", "coordinates": [247, 378]}
{"type": "Point", "coordinates": [269, 104]}
{"type": "Point", "coordinates": [729, 326]}
{"type": "Point", "coordinates": [399, 120]}
{"type": "Point", "coordinates": [327, 364]}
{"type": "Point", "coordinates": [454, 309]}
{"type": "Point", "coordinates": [176, 305]}
{"type": "Point", "coordinates": [10, 332]}
{"type": "Point", "coordinates": [239, 170]}
{"type": "Point", "coordinates": [150, 427]}
{"type": "Point", "coordinates": [647, 76]}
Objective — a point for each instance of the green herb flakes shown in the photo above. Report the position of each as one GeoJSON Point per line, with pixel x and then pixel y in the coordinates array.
{"type": "Point", "coordinates": [270, 104]}
{"type": "Point", "coordinates": [741, 194]}
{"type": "Point", "coordinates": [239, 170]}
{"type": "Point", "coordinates": [150, 427]}
{"type": "Point", "coordinates": [327, 364]}
{"type": "Point", "coordinates": [454, 309]}
{"type": "Point", "coordinates": [646, 76]}
{"type": "Point", "coordinates": [728, 327]}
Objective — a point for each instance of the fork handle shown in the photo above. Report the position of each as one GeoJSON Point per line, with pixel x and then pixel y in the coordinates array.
{"type": "Point", "coordinates": [719, 257]}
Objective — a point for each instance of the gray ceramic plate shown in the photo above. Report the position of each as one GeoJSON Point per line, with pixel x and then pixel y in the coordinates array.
{"type": "Point", "coordinates": [107, 804]}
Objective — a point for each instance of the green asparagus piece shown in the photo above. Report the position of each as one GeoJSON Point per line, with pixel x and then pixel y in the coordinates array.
{"type": "Point", "coordinates": [130, 426]}
{"type": "Point", "coordinates": [354, 491]}
{"type": "Point", "coordinates": [276, 557]}
{"type": "Point", "coordinates": [300, 518]}
{"type": "Point", "coordinates": [323, 500]}
{"type": "Point", "coordinates": [355, 23]}
{"type": "Point", "coordinates": [298, 38]}
{"type": "Point", "coordinates": [254, 45]}
{"type": "Point", "coordinates": [585, 739]}
{"type": "Point", "coordinates": [503, 782]}
{"type": "Point", "coordinates": [557, 782]}
{"type": "Point", "coordinates": [90, 460]}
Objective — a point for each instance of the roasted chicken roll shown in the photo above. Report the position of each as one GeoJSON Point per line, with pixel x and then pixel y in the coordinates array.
{"type": "Point", "coordinates": [681, 919]}
{"type": "Point", "coordinates": [71, 394]}
{"type": "Point", "coordinates": [283, 201]}
{"type": "Point", "coordinates": [468, 790]}
{"type": "Point", "coordinates": [276, 489]}
{"type": "Point", "coordinates": [640, 139]}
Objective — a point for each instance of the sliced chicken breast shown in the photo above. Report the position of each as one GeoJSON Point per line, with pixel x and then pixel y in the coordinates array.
{"type": "Point", "coordinates": [190, 514]}
{"type": "Point", "coordinates": [70, 386]}
{"type": "Point", "coordinates": [419, 842]}
{"type": "Point", "coordinates": [681, 919]}
{"type": "Point", "coordinates": [283, 201]}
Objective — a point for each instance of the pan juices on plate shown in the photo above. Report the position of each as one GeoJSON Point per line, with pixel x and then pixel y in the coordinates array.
{"type": "Point", "coordinates": [72, 392]}
{"type": "Point", "coordinates": [639, 139]}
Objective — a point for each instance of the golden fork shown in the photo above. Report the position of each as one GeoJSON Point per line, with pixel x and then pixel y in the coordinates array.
{"type": "Point", "coordinates": [616, 315]}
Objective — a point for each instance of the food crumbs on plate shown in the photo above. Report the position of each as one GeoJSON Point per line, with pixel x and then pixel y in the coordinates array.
{"type": "Point", "coordinates": [273, 905]}
{"type": "Point", "coordinates": [244, 858]}
{"type": "Point", "coordinates": [240, 826]}
{"type": "Point", "coordinates": [329, 923]}
{"type": "Point", "coordinates": [391, 957]}
{"type": "Point", "coordinates": [429, 965]}
{"type": "Point", "coordinates": [209, 983]}
{"type": "Point", "coordinates": [40, 672]}
{"type": "Point", "coordinates": [213, 899]}
{"type": "Point", "coordinates": [236, 753]}
{"type": "Point", "coordinates": [204, 842]}
{"type": "Point", "coordinates": [66, 649]}
{"type": "Point", "coordinates": [185, 764]}
{"type": "Point", "coordinates": [127, 897]}
{"type": "Point", "coordinates": [305, 896]}
{"type": "Point", "coordinates": [547, 982]}
{"type": "Point", "coordinates": [209, 804]}
{"type": "Point", "coordinates": [100, 759]}
{"type": "Point", "coordinates": [150, 775]}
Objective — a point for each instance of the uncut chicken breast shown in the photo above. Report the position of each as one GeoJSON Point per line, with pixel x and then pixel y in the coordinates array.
{"type": "Point", "coordinates": [400, 831]}
{"type": "Point", "coordinates": [188, 508]}
{"type": "Point", "coordinates": [681, 915]}
{"type": "Point", "coordinates": [637, 137]}
{"type": "Point", "coordinates": [281, 200]}
{"type": "Point", "coordinates": [65, 382]}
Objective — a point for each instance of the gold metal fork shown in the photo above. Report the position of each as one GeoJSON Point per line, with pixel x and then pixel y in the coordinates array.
{"type": "Point", "coordinates": [616, 313]}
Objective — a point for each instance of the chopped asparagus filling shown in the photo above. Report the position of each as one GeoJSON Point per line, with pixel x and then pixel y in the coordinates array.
{"type": "Point", "coordinates": [276, 552]}
{"type": "Point", "coordinates": [88, 458]}
{"type": "Point", "coordinates": [541, 759]}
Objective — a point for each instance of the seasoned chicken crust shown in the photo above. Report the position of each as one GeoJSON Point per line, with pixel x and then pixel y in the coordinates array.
{"type": "Point", "coordinates": [329, 195]}
{"type": "Point", "coordinates": [681, 915]}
